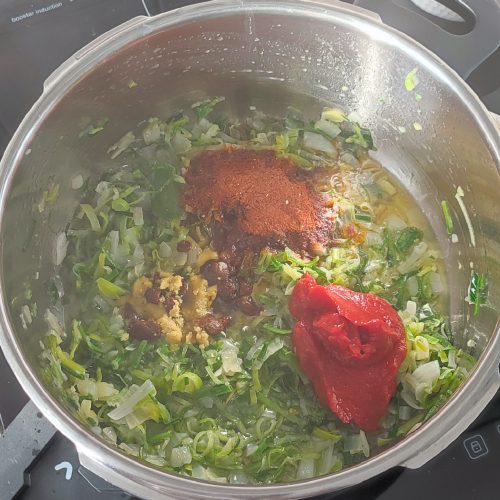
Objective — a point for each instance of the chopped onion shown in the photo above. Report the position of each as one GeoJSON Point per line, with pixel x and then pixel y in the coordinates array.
{"type": "Point", "coordinates": [328, 127]}
{"type": "Point", "coordinates": [98, 390]}
{"type": "Point", "coordinates": [269, 413]}
{"type": "Point", "coordinates": [354, 116]}
{"type": "Point", "coordinates": [155, 460]}
{"type": "Point", "coordinates": [305, 469]}
{"type": "Point", "coordinates": [436, 282]}
{"type": "Point", "coordinates": [164, 250]}
{"type": "Point", "coordinates": [87, 413]}
{"type": "Point", "coordinates": [151, 133]}
{"type": "Point", "coordinates": [427, 373]}
{"type": "Point", "coordinates": [412, 285]}
{"type": "Point", "coordinates": [414, 259]}
{"type": "Point", "coordinates": [411, 307]}
{"type": "Point", "coordinates": [104, 390]}
{"type": "Point", "coordinates": [53, 322]}
{"type": "Point", "coordinates": [131, 449]}
{"type": "Point", "coordinates": [251, 449]}
{"type": "Point", "coordinates": [26, 317]}
{"type": "Point", "coordinates": [238, 477]}
{"type": "Point", "coordinates": [77, 181]}
{"type": "Point", "coordinates": [179, 258]}
{"type": "Point", "coordinates": [140, 414]}
{"type": "Point", "coordinates": [231, 364]}
{"type": "Point", "coordinates": [86, 387]}
{"type": "Point", "coordinates": [291, 272]}
{"type": "Point", "coordinates": [60, 248]}
{"type": "Point", "coordinates": [191, 413]}
{"type": "Point", "coordinates": [181, 143]}
{"type": "Point", "coordinates": [326, 462]}
{"type": "Point", "coordinates": [395, 223]}
{"type": "Point", "coordinates": [119, 147]}
{"type": "Point", "coordinates": [137, 256]}
{"type": "Point", "coordinates": [319, 143]}
{"type": "Point", "coordinates": [373, 239]}
{"type": "Point", "coordinates": [349, 158]}
{"type": "Point", "coordinates": [200, 472]}
{"type": "Point", "coordinates": [148, 152]}
{"type": "Point", "coordinates": [104, 188]}
{"type": "Point", "coordinates": [114, 239]}
{"type": "Point", "coordinates": [409, 398]}
{"type": "Point", "coordinates": [387, 187]}
{"type": "Point", "coordinates": [274, 346]}
{"type": "Point", "coordinates": [101, 303]}
{"type": "Point", "coordinates": [109, 434]}
{"type": "Point", "coordinates": [404, 412]}
{"type": "Point", "coordinates": [357, 444]}
{"type": "Point", "coordinates": [207, 402]}
{"type": "Point", "coordinates": [421, 346]}
{"type": "Point", "coordinates": [452, 363]}
{"type": "Point", "coordinates": [138, 216]}
{"type": "Point", "coordinates": [180, 456]}
{"type": "Point", "coordinates": [127, 405]}
{"type": "Point", "coordinates": [178, 437]}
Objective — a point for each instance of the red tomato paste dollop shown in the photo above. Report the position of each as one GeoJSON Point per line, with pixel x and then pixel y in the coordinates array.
{"type": "Point", "coordinates": [350, 345]}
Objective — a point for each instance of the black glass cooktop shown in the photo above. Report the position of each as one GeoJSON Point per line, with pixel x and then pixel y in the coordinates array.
{"type": "Point", "coordinates": [36, 461]}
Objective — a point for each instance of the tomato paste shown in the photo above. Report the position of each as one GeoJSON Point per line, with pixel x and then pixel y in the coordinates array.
{"type": "Point", "coordinates": [350, 345]}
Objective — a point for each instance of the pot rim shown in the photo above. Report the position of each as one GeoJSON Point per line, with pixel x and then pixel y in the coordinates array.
{"type": "Point", "coordinates": [421, 445]}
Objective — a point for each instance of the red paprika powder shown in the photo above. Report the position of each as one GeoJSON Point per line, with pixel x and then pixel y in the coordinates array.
{"type": "Point", "coordinates": [256, 199]}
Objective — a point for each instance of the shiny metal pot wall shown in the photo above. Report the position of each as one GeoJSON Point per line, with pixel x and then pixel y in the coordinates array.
{"type": "Point", "coordinates": [268, 54]}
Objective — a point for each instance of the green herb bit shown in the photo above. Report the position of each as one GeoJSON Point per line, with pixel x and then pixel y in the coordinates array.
{"type": "Point", "coordinates": [109, 289]}
{"type": "Point", "coordinates": [411, 80]}
{"type": "Point", "coordinates": [335, 115]}
{"type": "Point", "coordinates": [76, 338]}
{"type": "Point", "coordinates": [120, 205]}
{"type": "Point", "coordinates": [119, 147]}
{"type": "Point", "coordinates": [362, 137]}
{"type": "Point", "coordinates": [94, 128]}
{"type": "Point", "coordinates": [333, 436]}
{"type": "Point", "coordinates": [447, 216]}
{"type": "Point", "coordinates": [204, 108]}
{"type": "Point", "coordinates": [478, 290]}
{"type": "Point", "coordinates": [407, 238]}
{"type": "Point", "coordinates": [361, 215]}
{"type": "Point", "coordinates": [98, 127]}
{"type": "Point", "coordinates": [49, 197]}
{"type": "Point", "coordinates": [89, 211]}
{"type": "Point", "coordinates": [187, 382]}
{"type": "Point", "coordinates": [70, 365]}
{"type": "Point", "coordinates": [273, 329]}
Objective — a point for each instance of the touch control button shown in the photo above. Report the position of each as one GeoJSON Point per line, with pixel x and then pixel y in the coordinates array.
{"type": "Point", "coordinates": [475, 446]}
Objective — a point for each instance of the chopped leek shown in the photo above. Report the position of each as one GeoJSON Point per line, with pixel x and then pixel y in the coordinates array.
{"type": "Point", "coordinates": [411, 80]}
{"type": "Point", "coordinates": [237, 409]}
{"type": "Point", "coordinates": [478, 290]}
{"type": "Point", "coordinates": [447, 216]}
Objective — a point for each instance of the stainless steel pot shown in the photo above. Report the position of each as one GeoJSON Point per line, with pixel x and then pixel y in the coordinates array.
{"type": "Point", "coordinates": [268, 54]}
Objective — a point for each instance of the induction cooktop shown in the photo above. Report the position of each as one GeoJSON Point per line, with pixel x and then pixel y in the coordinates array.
{"type": "Point", "coordinates": [39, 463]}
